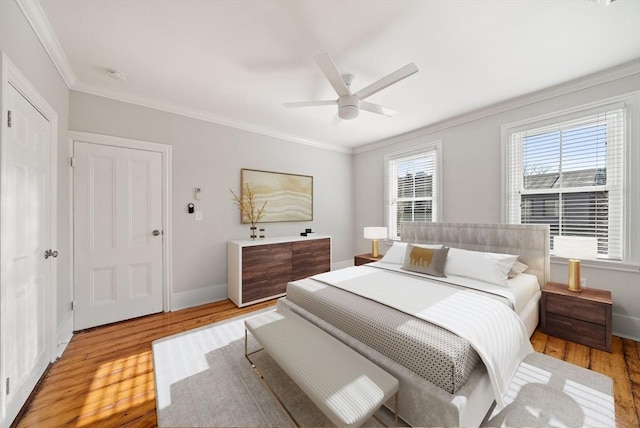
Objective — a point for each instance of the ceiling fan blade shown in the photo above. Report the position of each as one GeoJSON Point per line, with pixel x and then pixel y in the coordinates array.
{"type": "Point", "coordinates": [377, 108]}
{"type": "Point", "coordinates": [310, 103]}
{"type": "Point", "coordinates": [331, 73]}
{"type": "Point", "coordinates": [387, 80]}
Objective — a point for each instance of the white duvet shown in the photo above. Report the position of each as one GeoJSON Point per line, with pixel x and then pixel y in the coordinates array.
{"type": "Point", "coordinates": [491, 327]}
{"type": "Point", "coordinates": [518, 291]}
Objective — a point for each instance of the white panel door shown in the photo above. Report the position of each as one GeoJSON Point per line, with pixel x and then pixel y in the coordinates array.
{"type": "Point", "coordinates": [26, 276]}
{"type": "Point", "coordinates": [117, 234]}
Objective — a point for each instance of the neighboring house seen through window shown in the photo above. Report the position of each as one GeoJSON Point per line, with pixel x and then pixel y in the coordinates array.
{"type": "Point", "coordinates": [568, 172]}
{"type": "Point", "coordinates": [412, 192]}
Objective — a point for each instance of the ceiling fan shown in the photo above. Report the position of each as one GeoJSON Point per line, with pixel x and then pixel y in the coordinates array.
{"type": "Point", "coordinates": [350, 104]}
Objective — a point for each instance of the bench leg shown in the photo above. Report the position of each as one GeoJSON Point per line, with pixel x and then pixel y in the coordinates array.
{"type": "Point", "coordinates": [264, 381]}
{"type": "Point", "coordinates": [396, 418]}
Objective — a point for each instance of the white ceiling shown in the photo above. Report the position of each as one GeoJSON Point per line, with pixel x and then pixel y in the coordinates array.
{"type": "Point", "coordinates": [236, 62]}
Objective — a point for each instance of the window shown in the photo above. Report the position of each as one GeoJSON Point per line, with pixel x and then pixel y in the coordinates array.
{"type": "Point", "coordinates": [412, 186]}
{"type": "Point", "coordinates": [568, 172]}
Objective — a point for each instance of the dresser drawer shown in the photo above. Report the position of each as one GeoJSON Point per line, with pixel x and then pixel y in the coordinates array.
{"type": "Point", "coordinates": [584, 332]}
{"type": "Point", "coordinates": [593, 312]}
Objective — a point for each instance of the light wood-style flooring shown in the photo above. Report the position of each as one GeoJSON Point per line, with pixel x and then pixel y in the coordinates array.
{"type": "Point", "coordinates": [105, 376]}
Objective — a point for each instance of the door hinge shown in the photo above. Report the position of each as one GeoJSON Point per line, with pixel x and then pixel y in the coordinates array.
{"type": "Point", "coordinates": [7, 388]}
{"type": "Point", "coordinates": [9, 118]}
{"type": "Point", "coordinates": [73, 304]}
{"type": "Point", "coordinates": [73, 162]}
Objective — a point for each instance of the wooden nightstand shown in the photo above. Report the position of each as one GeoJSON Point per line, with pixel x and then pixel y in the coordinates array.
{"type": "Point", "coordinates": [583, 317]}
{"type": "Point", "coordinates": [363, 259]}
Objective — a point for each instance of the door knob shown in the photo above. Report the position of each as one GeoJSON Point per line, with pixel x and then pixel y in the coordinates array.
{"type": "Point", "coordinates": [155, 232]}
{"type": "Point", "coordinates": [50, 253]}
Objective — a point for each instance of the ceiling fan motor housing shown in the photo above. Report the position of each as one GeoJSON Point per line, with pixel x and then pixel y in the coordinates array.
{"type": "Point", "coordinates": [348, 107]}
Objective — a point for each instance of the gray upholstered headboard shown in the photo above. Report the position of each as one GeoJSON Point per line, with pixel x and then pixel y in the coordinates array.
{"type": "Point", "coordinates": [529, 241]}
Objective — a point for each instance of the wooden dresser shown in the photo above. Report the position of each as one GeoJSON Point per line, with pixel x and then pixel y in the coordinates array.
{"type": "Point", "coordinates": [583, 317]}
{"type": "Point", "coordinates": [260, 269]}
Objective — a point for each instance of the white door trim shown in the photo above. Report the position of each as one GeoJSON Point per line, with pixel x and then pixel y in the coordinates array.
{"type": "Point", "coordinates": [10, 75]}
{"type": "Point", "coordinates": [165, 150]}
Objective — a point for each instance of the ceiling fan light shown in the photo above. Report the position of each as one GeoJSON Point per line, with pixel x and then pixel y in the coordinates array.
{"type": "Point", "coordinates": [348, 107]}
{"type": "Point", "coordinates": [348, 112]}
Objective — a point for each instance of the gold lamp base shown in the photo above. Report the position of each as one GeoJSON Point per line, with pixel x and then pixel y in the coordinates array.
{"type": "Point", "coordinates": [374, 248]}
{"type": "Point", "coordinates": [574, 275]}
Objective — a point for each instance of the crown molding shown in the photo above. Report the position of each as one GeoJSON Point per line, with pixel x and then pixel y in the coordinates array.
{"type": "Point", "coordinates": [615, 73]}
{"type": "Point", "coordinates": [203, 115]}
{"type": "Point", "coordinates": [32, 10]}
{"type": "Point", "coordinates": [36, 17]}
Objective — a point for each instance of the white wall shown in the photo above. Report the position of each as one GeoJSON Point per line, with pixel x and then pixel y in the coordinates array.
{"type": "Point", "coordinates": [472, 188]}
{"type": "Point", "coordinates": [20, 44]}
{"type": "Point", "coordinates": [210, 156]}
{"type": "Point", "coordinates": [348, 189]}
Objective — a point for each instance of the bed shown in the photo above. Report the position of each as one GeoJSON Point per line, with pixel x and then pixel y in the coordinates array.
{"type": "Point", "coordinates": [445, 379]}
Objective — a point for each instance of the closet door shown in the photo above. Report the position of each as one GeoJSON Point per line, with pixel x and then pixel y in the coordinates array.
{"type": "Point", "coordinates": [27, 265]}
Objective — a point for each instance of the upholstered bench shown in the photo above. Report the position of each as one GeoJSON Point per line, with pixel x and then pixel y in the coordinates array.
{"type": "Point", "coordinates": [343, 384]}
{"type": "Point", "coordinates": [546, 391]}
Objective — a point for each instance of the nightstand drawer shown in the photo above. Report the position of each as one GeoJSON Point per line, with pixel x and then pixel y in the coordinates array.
{"type": "Point", "coordinates": [584, 310]}
{"type": "Point", "coordinates": [577, 331]}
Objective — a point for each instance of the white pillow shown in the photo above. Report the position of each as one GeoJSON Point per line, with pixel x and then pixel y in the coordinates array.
{"type": "Point", "coordinates": [396, 253]}
{"type": "Point", "coordinates": [517, 268]}
{"type": "Point", "coordinates": [489, 267]}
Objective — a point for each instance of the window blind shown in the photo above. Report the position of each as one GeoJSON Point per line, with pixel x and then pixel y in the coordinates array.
{"type": "Point", "coordinates": [411, 188]}
{"type": "Point", "coordinates": [570, 175]}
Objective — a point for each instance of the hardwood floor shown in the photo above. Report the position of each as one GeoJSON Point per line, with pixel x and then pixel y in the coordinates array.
{"type": "Point", "coordinates": [105, 376]}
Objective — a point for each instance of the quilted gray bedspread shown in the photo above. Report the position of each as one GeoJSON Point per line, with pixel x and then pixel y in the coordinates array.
{"type": "Point", "coordinates": [429, 351]}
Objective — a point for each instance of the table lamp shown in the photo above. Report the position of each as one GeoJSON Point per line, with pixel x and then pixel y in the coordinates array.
{"type": "Point", "coordinates": [375, 233]}
{"type": "Point", "coordinates": [575, 248]}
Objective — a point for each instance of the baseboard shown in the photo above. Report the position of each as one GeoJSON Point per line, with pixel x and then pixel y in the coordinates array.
{"type": "Point", "coordinates": [626, 326]}
{"type": "Point", "coordinates": [199, 296]}
{"type": "Point", "coordinates": [64, 334]}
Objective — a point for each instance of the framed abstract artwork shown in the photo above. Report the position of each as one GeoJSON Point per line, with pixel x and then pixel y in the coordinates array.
{"type": "Point", "coordinates": [289, 197]}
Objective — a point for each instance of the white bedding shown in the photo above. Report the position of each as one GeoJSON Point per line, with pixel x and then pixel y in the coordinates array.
{"type": "Point", "coordinates": [519, 290]}
{"type": "Point", "coordinates": [495, 331]}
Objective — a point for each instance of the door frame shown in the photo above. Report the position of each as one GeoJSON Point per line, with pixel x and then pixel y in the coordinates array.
{"type": "Point", "coordinates": [165, 151]}
{"type": "Point", "coordinates": [11, 75]}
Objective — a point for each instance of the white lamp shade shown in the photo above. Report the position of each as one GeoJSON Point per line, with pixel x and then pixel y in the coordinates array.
{"type": "Point", "coordinates": [575, 247]}
{"type": "Point", "coordinates": [375, 232]}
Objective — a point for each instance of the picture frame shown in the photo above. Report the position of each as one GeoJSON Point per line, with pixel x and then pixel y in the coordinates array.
{"type": "Point", "coordinates": [289, 197]}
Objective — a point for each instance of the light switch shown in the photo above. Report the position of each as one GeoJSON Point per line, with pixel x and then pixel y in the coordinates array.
{"type": "Point", "coordinates": [198, 215]}
{"type": "Point", "coordinates": [197, 193]}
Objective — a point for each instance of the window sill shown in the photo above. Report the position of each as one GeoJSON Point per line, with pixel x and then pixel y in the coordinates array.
{"type": "Point", "coordinates": [601, 264]}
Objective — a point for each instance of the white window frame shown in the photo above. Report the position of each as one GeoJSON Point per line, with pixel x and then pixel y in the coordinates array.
{"type": "Point", "coordinates": [630, 103]}
{"type": "Point", "coordinates": [390, 187]}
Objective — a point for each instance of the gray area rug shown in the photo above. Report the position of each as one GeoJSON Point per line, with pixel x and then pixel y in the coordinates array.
{"type": "Point", "coordinates": [203, 379]}
{"type": "Point", "coordinates": [548, 392]}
